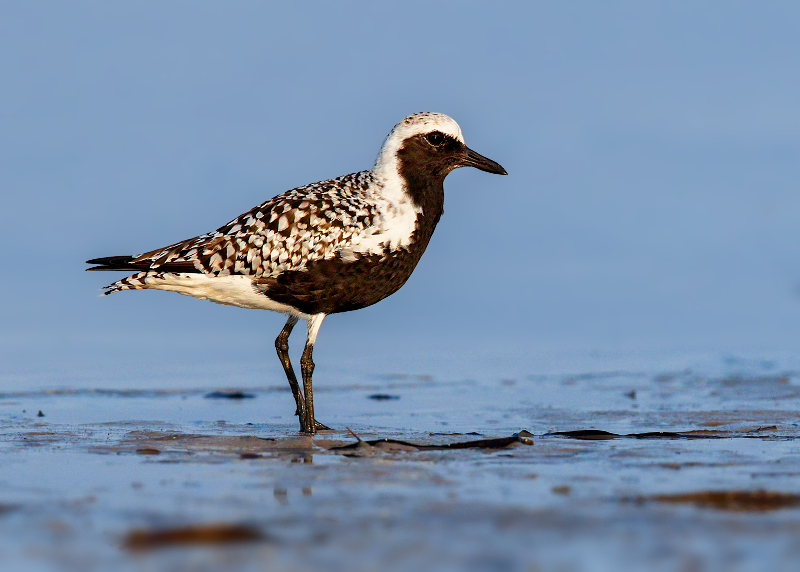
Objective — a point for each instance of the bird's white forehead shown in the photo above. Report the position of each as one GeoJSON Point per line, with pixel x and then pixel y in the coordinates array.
{"type": "Point", "coordinates": [425, 123]}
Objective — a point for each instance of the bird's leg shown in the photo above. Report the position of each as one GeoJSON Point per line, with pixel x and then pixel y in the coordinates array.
{"type": "Point", "coordinates": [282, 345]}
{"type": "Point", "coordinates": [309, 424]}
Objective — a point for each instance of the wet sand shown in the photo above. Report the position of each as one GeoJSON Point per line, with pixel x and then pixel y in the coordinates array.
{"type": "Point", "coordinates": [658, 470]}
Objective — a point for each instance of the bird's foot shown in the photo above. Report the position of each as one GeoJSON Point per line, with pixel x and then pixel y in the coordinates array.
{"type": "Point", "coordinates": [317, 427]}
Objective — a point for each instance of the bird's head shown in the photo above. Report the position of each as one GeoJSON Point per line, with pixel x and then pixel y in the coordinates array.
{"type": "Point", "coordinates": [428, 145]}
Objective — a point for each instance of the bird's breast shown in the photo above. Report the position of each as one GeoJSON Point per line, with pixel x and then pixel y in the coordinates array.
{"type": "Point", "coordinates": [394, 228]}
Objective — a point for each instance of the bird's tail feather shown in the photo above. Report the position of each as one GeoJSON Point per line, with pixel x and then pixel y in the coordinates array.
{"type": "Point", "coordinates": [111, 263]}
{"type": "Point", "coordinates": [146, 269]}
{"type": "Point", "coordinates": [142, 263]}
{"type": "Point", "coordinates": [136, 281]}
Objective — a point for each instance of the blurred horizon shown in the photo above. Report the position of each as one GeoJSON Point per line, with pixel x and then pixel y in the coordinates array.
{"type": "Point", "coordinates": [652, 197]}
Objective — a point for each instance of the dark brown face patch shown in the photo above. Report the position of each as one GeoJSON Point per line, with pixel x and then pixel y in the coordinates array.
{"type": "Point", "coordinates": [423, 158]}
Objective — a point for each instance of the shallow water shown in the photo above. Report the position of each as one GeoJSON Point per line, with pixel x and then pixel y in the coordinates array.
{"type": "Point", "coordinates": [85, 485]}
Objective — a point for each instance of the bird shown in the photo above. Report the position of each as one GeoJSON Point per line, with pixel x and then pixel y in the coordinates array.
{"type": "Point", "coordinates": [328, 247]}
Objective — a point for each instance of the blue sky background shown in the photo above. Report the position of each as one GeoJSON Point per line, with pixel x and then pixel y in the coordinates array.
{"type": "Point", "coordinates": [653, 151]}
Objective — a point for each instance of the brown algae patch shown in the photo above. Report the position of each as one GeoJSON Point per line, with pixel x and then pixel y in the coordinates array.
{"type": "Point", "coordinates": [143, 443]}
{"type": "Point", "coordinates": [367, 448]}
{"type": "Point", "coordinates": [600, 435]}
{"type": "Point", "coordinates": [732, 501]}
{"type": "Point", "coordinates": [197, 535]}
{"type": "Point", "coordinates": [147, 451]}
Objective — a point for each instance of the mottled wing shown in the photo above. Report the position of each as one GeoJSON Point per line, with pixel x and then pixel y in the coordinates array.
{"type": "Point", "coordinates": [285, 233]}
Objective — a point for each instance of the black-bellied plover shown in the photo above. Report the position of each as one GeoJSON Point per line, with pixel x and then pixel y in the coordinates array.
{"type": "Point", "coordinates": [327, 247]}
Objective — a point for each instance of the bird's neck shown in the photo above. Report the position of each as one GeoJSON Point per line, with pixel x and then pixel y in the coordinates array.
{"type": "Point", "coordinates": [404, 183]}
{"type": "Point", "coordinates": [407, 177]}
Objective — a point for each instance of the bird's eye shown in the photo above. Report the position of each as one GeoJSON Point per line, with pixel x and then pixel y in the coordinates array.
{"type": "Point", "coordinates": [435, 138]}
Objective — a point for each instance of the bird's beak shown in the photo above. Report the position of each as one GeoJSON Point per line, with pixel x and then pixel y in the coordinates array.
{"type": "Point", "coordinates": [473, 159]}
